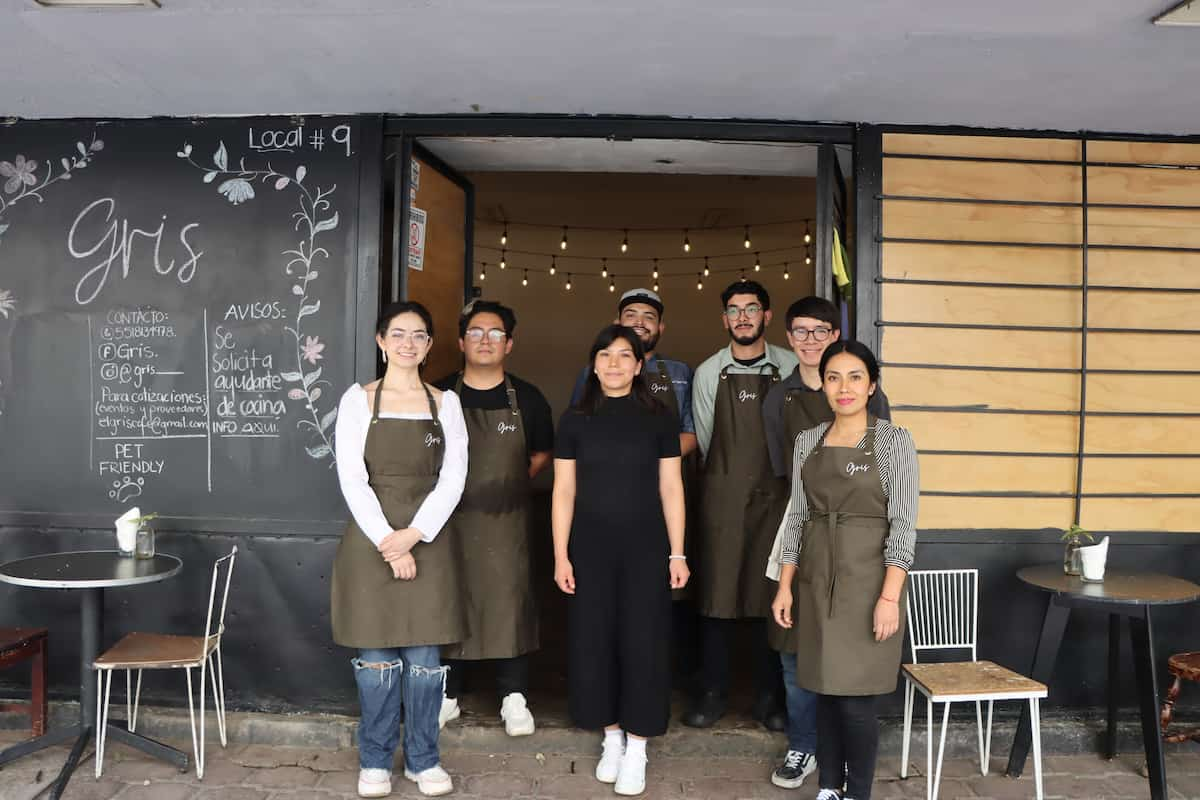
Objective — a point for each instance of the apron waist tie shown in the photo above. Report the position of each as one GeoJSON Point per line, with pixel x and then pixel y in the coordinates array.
{"type": "Point", "coordinates": [835, 544]}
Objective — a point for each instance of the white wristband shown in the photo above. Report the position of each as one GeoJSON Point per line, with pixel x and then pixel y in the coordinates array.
{"type": "Point", "coordinates": [677, 558]}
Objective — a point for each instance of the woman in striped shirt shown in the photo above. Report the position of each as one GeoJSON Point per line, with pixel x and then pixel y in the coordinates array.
{"type": "Point", "coordinates": [848, 538]}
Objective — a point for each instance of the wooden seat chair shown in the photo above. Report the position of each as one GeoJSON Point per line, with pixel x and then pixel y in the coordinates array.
{"type": "Point", "coordinates": [1185, 667]}
{"type": "Point", "coordinates": [27, 644]}
{"type": "Point", "coordinates": [943, 614]}
{"type": "Point", "coordinates": [142, 651]}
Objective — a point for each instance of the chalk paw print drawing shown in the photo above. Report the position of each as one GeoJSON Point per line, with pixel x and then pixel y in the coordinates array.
{"type": "Point", "coordinates": [314, 217]}
{"type": "Point", "coordinates": [126, 489]}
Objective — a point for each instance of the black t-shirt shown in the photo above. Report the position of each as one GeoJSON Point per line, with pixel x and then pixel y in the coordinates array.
{"type": "Point", "coordinates": [535, 411]}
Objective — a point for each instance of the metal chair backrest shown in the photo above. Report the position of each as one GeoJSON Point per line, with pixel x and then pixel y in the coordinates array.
{"type": "Point", "coordinates": [943, 610]}
{"type": "Point", "coordinates": [225, 562]}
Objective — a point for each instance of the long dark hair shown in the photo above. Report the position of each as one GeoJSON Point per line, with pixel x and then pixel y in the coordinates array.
{"type": "Point", "coordinates": [593, 394]}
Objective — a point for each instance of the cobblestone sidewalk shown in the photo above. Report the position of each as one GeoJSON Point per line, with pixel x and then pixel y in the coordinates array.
{"type": "Point", "coordinates": [261, 772]}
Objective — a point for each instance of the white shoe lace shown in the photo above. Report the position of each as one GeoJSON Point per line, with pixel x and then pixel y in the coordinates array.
{"type": "Point", "coordinates": [828, 794]}
{"type": "Point", "coordinates": [793, 759]}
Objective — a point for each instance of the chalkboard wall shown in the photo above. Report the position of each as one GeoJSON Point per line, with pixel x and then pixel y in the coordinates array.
{"type": "Point", "coordinates": [177, 316]}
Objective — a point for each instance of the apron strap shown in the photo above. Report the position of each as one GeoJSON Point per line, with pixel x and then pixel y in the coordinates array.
{"type": "Point", "coordinates": [375, 401]}
{"type": "Point", "coordinates": [512, 396]}
{"type": "Point", "coordinates": [433, 409]}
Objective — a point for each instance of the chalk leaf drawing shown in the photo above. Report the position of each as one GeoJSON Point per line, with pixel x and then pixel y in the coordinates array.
{"type": "Point", "coordinates": [314, 217]}
{"type": "Point", "coordinates": [25, 178]}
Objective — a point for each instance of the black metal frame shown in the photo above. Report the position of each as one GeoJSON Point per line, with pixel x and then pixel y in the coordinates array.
{"type": "Point", "coordinates": [869, 162]}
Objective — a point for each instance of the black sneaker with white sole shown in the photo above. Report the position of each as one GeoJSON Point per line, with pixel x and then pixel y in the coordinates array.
{"type": "Point", "coordinates": [795, 768]}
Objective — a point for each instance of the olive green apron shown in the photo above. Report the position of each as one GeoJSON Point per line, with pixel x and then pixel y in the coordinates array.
{"type": "Point", "coordinates": [840, 575]}
{"type": "Point", "coordinates": [662, 387]}
{"type": "Point", "coordinates": [490, 531]}
{"type": "Point", "coordinates": [369, 607]}
{"type": "Point", "coordinates": [741, 505]}
{"type": "Point", "coordinates": [802, 409]}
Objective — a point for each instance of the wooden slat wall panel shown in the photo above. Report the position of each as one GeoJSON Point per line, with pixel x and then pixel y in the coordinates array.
{"type": "Point", "coordinates": [991, 433]}
{"type": "Point", "coordinates": [996, 474]}
{"type": "Point", "coordinates": [1143, 310]}
{"type": "Point", "coordinates": [1138, 435]}
{"type": "Point", "coordinates": [989, 264]}
{"type": "Point", "coordinates": [1155, 227]}
{"type": "Point", "coordinates": [910, 219]}
{"type": "Point", "coordinates": [983, 180]}
{"type": "Point", "coordinates": [1144, 152]}
{"type": "Point", "coordinates": [1116, 268]}
{"type": "Point", "coordinates": [983, 146]}
{"type": "Point", "coordinates": [1020, 513]}
{"type": "Point", "coordinates": [968, 305]}
{"type": "Point", "coordinates": [981, 348]}
{"type": "Point", "coordinates": [1174, 394]}
{"type": "Point", "coordinates": [1144, 351]}
{"type": "Point", "coordinates": [1151, 187]}
{"type": "Point", "coordinates": [1133, 475]}
{"type": "Point", "coordinates": [1141, 514]}
{"type": "Point", "coordinates": [1027, 391]}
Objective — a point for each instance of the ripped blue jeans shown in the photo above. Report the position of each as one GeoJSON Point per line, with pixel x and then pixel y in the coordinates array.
{"type": "Point", "coordinates": [413, 677]}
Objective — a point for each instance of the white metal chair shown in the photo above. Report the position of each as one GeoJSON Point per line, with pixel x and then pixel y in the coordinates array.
{"type": "Point", "coordinates": [943, 614]}
{"type": "Point", "coordinates": [139, 651]}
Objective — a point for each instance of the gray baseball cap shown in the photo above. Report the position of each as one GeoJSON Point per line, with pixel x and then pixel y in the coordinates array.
{"type": "Point", "coordinates": [641, 296]}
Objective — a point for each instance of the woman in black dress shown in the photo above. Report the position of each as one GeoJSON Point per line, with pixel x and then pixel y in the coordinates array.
{"type": "Point", "coordinates": [618, 517]}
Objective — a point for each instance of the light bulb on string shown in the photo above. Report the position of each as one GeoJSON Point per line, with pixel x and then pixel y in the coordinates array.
{"type": "Point", "coordinates": [757, 263]}
{"type": "Point", "coordinates": [656, 286]}
{"type": "Point", "coordinates": [654, 274]}
{"type": "Point", "coordinates": [699, 281]}
{"type": "Point", "coordinates": [483, 271]}
{"type": "Point", "coordinates": [742, 276]}
{"type": "Point", "coordinates": [807, 233]}
{"type": "Point", "coordinates": [553, 264]}
{"type": "Point", "coordinates": [604, 268]}
{"type": "Point", "coordinates": [525, 278]}
{"type": "Point", "coordinates": [706, 265]}
{"type": "Point", "coordinates": [786, 275]}
{"type": "Point", "coordinates": [563, 244]}
{"type": "Point", "coordinates": [746, 241]}
{"type": "Point", "coordinates": [808, 256]}
{"type": "Point", "coordinates": [687, 245]}
{"type": "Point", "coordinates": [568, 281]}
{"type": "Point", "coordinates": [504, 235]}
{"type": "Point", "coordinates": [503, 260]}
{"type": "Point", "coordinates": [625, 242]}
{"type": "Point", "coordinates": [612, 285]}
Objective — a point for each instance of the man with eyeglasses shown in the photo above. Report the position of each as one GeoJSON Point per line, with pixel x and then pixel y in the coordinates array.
{"type": "Point", "coordinates": [796, 404]}
{"type": "Point", "coordinates": [511, 438]}
{"type": "Point", "coordinates": [741, 504]}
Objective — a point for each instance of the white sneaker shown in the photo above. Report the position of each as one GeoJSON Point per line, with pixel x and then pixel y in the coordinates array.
{"type": "Point", "coordinates": [829, 794]}
{"type": "Point", "coordinates": [517, 719]}
{"type": "Point", "coordinates": [449, 711]}
{"type": "Point", "coordinates": [631, 778]}
{"type": "Point", "coordinates": [374, 783]}
{"type": "Point", "coordinates": [610, 761]}
{"type": "Point", "coordinates": [431, 782]}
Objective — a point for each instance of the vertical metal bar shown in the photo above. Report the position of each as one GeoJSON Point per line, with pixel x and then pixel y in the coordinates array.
{"type": "Point", "coordinates": [91, 612]}
{"type": "Point", "coordinates": [403, 208]}
{"type": "Point", "coordinates": [1083, 334]}
{"type": "Point", "coordinates": [868, 184]}
{"type": "Point", "coordinates": [469, 246]}
{"type": "Point", "coordinates": [1053, 625]}
{"type": "Point", "coordinates": [370, 214]}
{"type": "Point", "coordinates": [1141, 634]}
{"type": "Point", "coordinates": [1114, 682]}
{"type": "Point", "coordinates": [823, 283]}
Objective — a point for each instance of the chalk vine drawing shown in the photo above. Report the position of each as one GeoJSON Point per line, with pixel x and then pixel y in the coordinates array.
{"type": "Point", "coordinates": [22, 182]}
{"type": "Point", "coordinates": [315, 216]}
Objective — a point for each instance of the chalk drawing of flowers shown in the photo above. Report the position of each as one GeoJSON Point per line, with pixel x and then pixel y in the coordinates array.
{"type": "Point", "coordinates": [314, 217]}
{"type": "Point", "coordinates": [8, 303]}
{"type": "Point", "coordinates": [22, 181]}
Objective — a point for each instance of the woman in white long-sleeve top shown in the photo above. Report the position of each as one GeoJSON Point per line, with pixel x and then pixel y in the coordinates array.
{"type": "Point", "coordinates": [396, 594]}
{"type": "Point", "coordinates": [848, 540]}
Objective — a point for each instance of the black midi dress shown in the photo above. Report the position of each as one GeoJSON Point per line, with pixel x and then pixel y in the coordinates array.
{"type": "Point", "coordinates": [619, 619]}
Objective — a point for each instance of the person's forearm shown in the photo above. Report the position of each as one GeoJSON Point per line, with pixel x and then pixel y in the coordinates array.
{"type": "Point", "coordinates": [893, 583]}
{"type": "Point", "coordinates": [538, 462]}
{"type": "Point", "coordinates": [562, 511]}
{"type": "Point", "coordinates": [786, 573]}
{"type": "Point", "coordinates": [675, 515]}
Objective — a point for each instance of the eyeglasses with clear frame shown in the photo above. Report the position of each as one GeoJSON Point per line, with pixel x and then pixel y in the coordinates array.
{"type": "Point", "coordinates": [494, 335]}
{"type": "Point", "coordinates": [419, 338]}
{"type": "Point", "coordinates": [751, 311]}
{"type": "Point", "coordinates": [817, 334]}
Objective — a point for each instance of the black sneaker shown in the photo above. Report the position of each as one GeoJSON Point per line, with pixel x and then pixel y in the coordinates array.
{"type": "Point", "coordinates": [795, 768]}
{"type": "Point", "coordinates": [709, 708]}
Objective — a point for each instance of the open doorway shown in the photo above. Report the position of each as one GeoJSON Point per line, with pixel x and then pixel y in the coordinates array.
{"type": "Point", "coordinates": [558, 228]}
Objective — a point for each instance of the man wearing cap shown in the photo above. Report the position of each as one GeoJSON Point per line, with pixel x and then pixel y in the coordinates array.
{"type": "Point", "coordinates": [510, 430]}
{"type": "Point", "coordinates": [741, 504]}
{"type": "Point", "coordinates": [669, 380]}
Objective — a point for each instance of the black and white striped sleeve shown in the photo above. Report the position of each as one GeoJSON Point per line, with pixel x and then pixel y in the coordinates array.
{"type": "Point", "coordinates": [798, 509]}
{"type": "Point", "coordinates": [898, 471]}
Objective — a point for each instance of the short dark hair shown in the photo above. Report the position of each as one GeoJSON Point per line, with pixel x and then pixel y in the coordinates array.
{"type": "Point", "coordinates": [507, 317]}
{"type": "Point", "coordinates": [393, 310]}
{"type": "Point", "coordinates": [747, 287]}
{"type": "Point", "coordinates": [856, 349]}
{"type": "Point", "coordinates": [815, 308]}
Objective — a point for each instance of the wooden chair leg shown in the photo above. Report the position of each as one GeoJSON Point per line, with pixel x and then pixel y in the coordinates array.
{"type": "Point", "coordinates": [1168, 708]}
{"type": "Point", "coordinates": [38, 706]}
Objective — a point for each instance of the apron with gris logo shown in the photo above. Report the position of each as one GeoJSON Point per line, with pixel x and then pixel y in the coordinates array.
{"type": "Point", "coordinates": [491, 536]}
{"type": "Point", "coordinates": [840, 575]}
{"type": "Point", "coordinates": [369, 607]}
{"type": "Point", "coordinates": [741, 505]}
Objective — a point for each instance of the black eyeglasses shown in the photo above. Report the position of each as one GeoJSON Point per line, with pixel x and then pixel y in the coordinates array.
{"type": "Point", "coordinates": [817, 334]}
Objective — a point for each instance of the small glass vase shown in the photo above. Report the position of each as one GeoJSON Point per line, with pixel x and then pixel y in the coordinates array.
{"type": "Point", "coordinates": [1072, 563]}
{"type": "Point", "coordinates": [144, 545]}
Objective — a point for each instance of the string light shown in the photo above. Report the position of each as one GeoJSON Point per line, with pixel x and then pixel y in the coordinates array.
{"type": "Point", "coordinates": [656, 286]}
{"type": "Point", "coordinates": [706, 265]}
{"type": "Point", "coordinates": [553, 264]}
{"type": "Point", "coordinates": [568, 281]}
{"type": "Point", "coordinates": [483, 272]}
{"type": "Point", "coordinates": [746, 241]}
{"type": "Point", "coordinates": [808, 256]}
{"type": "Point", "coordinates": [504, 236]}
{"type": "Point", "coordinates": [625, 242]}
{"type": "Point", "coordinates": [699, 281]}
{"type": "Point", "coordinates": [525, 278]}
{"type": "Point", "coordinates": [742, 276]}
{"type": "Point", "coordinates": [655, 273]}
{"type": "Point", "coordinates": [604, 268]}
{"type": "Point", "coordinates": [807, 233]}
{"type": "Point", "coordinates": [687, 245]}
{"type": "Point", "coordinates": [612, 285]}
{"type": "Point", "coordinates": [503, 260]}
{"type": "Point", "coordinates": [757, 263]}
{"type": "Point", "coordinates": [563, 244]}
{"type": "Point", "coordinates": [786, 275]}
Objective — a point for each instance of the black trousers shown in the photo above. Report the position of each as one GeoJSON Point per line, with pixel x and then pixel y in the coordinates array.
{"type": "Point", "coordinates": [847, 743]}
{"type": "Point", "coordinates": [618, 640]}
{"type": "Point", "coordinates": [716, 643]}
{"type": "Point", "coordinates": [512, 675]}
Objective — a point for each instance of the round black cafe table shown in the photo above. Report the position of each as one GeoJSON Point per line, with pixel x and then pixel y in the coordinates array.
{"type": "Point", "coordinates": [89, 573]}
{"type": "Point", "coordinates": [1122, 593]}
